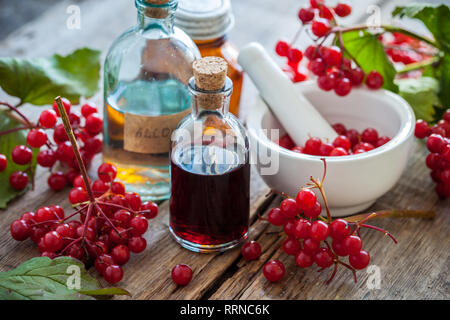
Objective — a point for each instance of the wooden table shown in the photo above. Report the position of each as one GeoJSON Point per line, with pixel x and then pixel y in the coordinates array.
{"type": "Point", "coordinates": [415, 268]}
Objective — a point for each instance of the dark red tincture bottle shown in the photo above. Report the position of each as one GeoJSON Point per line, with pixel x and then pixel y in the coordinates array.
{"type": "Point", "coordinates": [210, 174]}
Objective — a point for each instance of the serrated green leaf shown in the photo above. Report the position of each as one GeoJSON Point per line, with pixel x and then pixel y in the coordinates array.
{"type": "Point", "coordinates": [435, 17]}
{"type": "Point", "coordinates": [45, 279]}
{"type": "Point", "coordinates": [8, 142]}
{"type": "Point", "coordinates": [39, 80]}
{"type": "Point", "coordinates": [369, 53]}
{"type": "Point", "coordinates": [421, 94]}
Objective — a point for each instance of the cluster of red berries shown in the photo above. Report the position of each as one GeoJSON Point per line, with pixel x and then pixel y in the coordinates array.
{"type": "Point", "coordinates": [404, 49]}
{"type": "Point", "coordinates": [105, 233]}
{"type": "Point", "coordinates": [312, 239]}
{"type": "Point", "coordinates": [333, 70]}
{"type": "Point", "coordinates": [349, 141]}
{"type": "Point", "coordinates": [438, 143]}
{"type": "Point", "coordinates": [59, 149]}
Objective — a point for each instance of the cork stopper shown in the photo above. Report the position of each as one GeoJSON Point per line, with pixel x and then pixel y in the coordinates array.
{"type": "Point", "coordinates": [157, 13]}
{"type": "Point", "coordinates": [210, 74]}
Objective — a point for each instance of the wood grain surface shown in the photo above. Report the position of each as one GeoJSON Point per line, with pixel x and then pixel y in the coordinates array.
{"type": "Point", "coordinates": [416, 268]}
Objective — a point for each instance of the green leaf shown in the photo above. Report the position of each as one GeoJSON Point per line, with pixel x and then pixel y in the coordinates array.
{"type": "Point", "coordinates": [444, 80]}
{"type": "Point", "coordinates": [8, 142]}
{"type": "Point", "coordinates": [435, 17]}
{"type": "Point", "coordinates": [369, 53]}
{"type": "Point", "coordinates": [45, 279]}
{"type": "Point", "coordinates": [421, 94]}
{"type": "Point", "coordinates": [39, 80]}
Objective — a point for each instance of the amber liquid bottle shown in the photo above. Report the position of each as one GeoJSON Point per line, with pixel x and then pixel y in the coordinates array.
{"type": "Point", "coordinates": [207, 23]}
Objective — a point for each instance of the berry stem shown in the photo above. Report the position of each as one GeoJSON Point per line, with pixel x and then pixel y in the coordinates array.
{"type": "Point", "coordinates": [16, 110]}
{"type": "Point", "coordinates": [421, 214]}
{"type": "Point", "coordinates": [69, 245]}
{"type": "Point", "coordinates": [333, 274]}
{"type": "Point", "coordinates": [2, 133]}
{"type": "Point", "coordinates": [350, 268]}
{"type": "Point", "coordinates": [106, 217]}
{"type": "Point", "coordinates": [418, 65]}
{"type": "Point", "coordinates": [73, 141]}
{"type": "Point", "coordinates": [344, 49]}
{"type": "Point", "coordinates": [388, 28]}
{"type": "Point", "coordinates": [368, 226]}
{"type": "Point", "coordinates": [319, 185]}
{"type": "Point", "coordinates": [117, 206]}
{"type": "Point", "coordinates": [74, 213]}
{"type": "Point", "coordinates": [86, 221]}
{"type": "Point", "coordinates": [297, 35]}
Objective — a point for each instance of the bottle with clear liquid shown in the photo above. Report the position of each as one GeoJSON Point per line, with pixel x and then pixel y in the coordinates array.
{"type": "Point", "coordinates": [210, 170]}
{"type": "Point", "coordinates": [145, 92]}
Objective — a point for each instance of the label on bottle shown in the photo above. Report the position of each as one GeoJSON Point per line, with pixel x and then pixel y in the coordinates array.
{"type": "Point", "coordinates": [150, 134]}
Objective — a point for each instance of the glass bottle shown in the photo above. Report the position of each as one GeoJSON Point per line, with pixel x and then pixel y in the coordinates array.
{"type": "Point", "coordinates": [145, 92]}
{"type": "Point", "coordinates": [208, 22]}
{"type": "Point", "coordinates": [210, 171]}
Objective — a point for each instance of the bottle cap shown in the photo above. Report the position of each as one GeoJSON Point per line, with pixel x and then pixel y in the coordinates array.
{"type": "Point", "coordinates": [210, 74]}
{"type": "Point", "coordinates": [204, 19]}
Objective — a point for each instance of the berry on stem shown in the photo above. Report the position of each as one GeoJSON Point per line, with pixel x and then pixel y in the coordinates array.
{"type": "Point", "coordinates": [304, 259]}
{"type": "Point", "coordinates": [20, 230]}
{"type": "Point", "coordinates": [48, 119]}
{"type": "Point", "coordinates": [18, 180]}
{"type": "Point", "coordinates": [319, 230]}
{"type": "Point", "coordinates": [359, 260]}
{"type": "Point", "coordinates": [306, 199]}
{"type": "Point", "coordinates": [306, 14]}
{"type": "Point", "coordinates": [320, 27]}
{"type": "Point", "coordinates": [275, 217]}
{"type": "Point", "coordinates": [36, 138]}
{"type": "Point", "coordinates": [353, 244]}
{"type": "Point", "coordinates": [282, 48]}
{"type": "Point", "coordinates": [137, 244]}
{"type": "Point", "coordinates": [374, 80]}
{"type": "Point", "coordinates": [107, 172]}
{"type": "Point", "coordinates": [57, 181]}
{"type": "Point", "coordinates": [21, 154]}
{"type": "Point", "coordinates": [289, 208]}
{"type": "Point", "coordinates": [120, 254]}
{"type": "Point", "coordinates": [113, 273]}
{"type": "Point", "coordinates": [3, 162]}
{"type": "Point", "coordinates": [342, 9]}
{"type": "Point", "coordinates": [343, 87]}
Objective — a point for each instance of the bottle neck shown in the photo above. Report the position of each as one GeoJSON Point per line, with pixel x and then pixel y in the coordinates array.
{"type": "Point", "coordinates": [161, 15]}
{"type": "Point", "coordinates": [207, 102]}
{"type": "Point", "coordinates": [211, 43]}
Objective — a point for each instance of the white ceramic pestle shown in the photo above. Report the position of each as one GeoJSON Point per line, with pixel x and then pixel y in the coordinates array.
{"type": "Point", "coordinates": [297, 115]}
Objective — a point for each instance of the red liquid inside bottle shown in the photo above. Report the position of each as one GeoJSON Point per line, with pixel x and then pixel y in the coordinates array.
{"type": "Point", "coordinates": [210, 201]}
